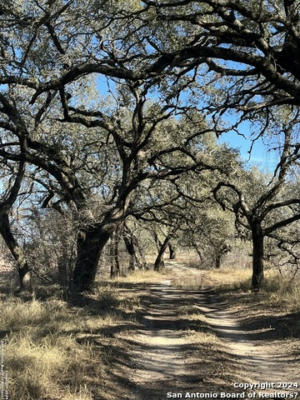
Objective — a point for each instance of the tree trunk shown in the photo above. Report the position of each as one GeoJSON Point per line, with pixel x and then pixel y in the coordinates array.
{"type": "Point", "coordinates": [90, 243]}
{"type": "Point", "coordinates": [111, 257]}
{"type": "Point", "coordinates": [143, 261]}
{"type": "Point", "coordinates": [198, 251]}
{"type": "Point", "coordinates": [159, 263]}
{"type": "Point", "coordinates": [131, 251]}
{"type": "Point", "coordinates": [115, 262]}
{"type": "Point", "coordinates": [172, 251]}
{"type": "Point", "coordinates": [132, 244]}
{"type": "Point", "coordinates": [218, 260]}
{"type": "Point", "coordinates": [62, 270]}
{"type": "Point", "coordinates": [18, 254]}
{"type": "Point", "coordinates": [156, 240]}
{"type": "Point", "coordinates": [221, 249]}
{"type": "Point", "coordinates": [258, 254]}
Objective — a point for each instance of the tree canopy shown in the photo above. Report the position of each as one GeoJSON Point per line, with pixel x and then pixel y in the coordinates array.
{"type": "Point", "coordinates": [103, 103]}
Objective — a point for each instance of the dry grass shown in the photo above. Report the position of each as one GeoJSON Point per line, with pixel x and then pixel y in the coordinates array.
{"type": "Point", "coordinates": [270, 317]}
{"type": "Point", "coordinates": [40, 348]}
{"type": "Point", "coordinates": [57, 351]}
{"type": "Point", "coordinates": [229, 277]}
{"type": "Point", "coordinates": [46, 351]}
{"type": "Point", "coordinates": [193, 281]}
{"type": "Point", "coordinates": [278, 290]}
{"type": "Point", "coordinates": [143, 276]}
{"type": "Point", "coordinates": [282, 292]}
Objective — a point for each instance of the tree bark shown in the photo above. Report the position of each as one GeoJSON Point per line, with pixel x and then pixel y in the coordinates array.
{"type": "Point", "coordinates": [172, 251]}
{"type": "Point", "coordinates": [220, 251]}
{"type": "Point", "coordinates": [198, 251]}
{"type": "Point", "coordinates": [62, 270]}
{"type": "Point", "coordinates": [158, 243]}
{"type": "Point", "coordinates": [131, 251]}
{"type": "Point", "coordinates": [111, 257]}
{"type": "Point", "coordinates": [115, 262]}
{"type": "Point", "coordinates": [143, 261]}
{"type": "Point", "coordinates": [17, 252]}
{"type": "Point", "coordinates": [90, 243]}
{"type": "Point", "coordinates": [159, 263]}
{"type": "Point", "coordinates": [132, 246]}
{"type": "Point", "coordinates": [218, 260]}
{"type": "Point", "coordinates": [258, 255]}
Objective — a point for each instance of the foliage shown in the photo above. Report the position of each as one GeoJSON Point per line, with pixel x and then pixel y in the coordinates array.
{"type": "Point", "coordinates": [103, 104]}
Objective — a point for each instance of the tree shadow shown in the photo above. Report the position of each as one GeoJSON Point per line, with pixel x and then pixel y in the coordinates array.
{"type": "Point", "coordinates": [147, 359]}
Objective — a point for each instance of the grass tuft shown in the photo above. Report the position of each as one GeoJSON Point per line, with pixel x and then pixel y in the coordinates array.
{"type": "Point", "coordinates": [106, 299]}
{"type": "Point", "coordinates": [43, 354]}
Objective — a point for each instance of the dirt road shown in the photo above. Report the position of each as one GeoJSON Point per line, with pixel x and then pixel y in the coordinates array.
{"type": "Point", "coordinates": [175, 356]}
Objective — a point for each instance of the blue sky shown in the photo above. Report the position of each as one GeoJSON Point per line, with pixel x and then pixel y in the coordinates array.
{"type": "Point", "coordinates": [260, 156]}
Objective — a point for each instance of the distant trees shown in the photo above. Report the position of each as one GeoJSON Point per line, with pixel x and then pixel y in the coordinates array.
{"type": "Point", "coordinates": [183, 211]}
{"type": "Point", "coordinates": [208, 231]}
{"type": "Point", "coordinates": [111, 153]}
{"type": "Point", "coordinates": [263, 208]}
{"type": "Point", "coordinates": [100, 100]}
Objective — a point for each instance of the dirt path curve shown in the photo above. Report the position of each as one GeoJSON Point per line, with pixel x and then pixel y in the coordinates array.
{"type": "Point", "coordinates": [165, 357]}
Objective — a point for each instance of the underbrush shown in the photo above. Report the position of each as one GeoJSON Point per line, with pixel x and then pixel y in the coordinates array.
{"type": "Point", "coordinates": [277, 290]}
{"type": "Point", "coordinates": [283, 292]}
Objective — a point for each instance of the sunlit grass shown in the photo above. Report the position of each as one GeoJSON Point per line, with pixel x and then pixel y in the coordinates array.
{"type": "Point", "coordinates": [277, 289]}
{"type": "Point", "coordinates": [143, 276]}
{"type": "Point", "coordinates": [189, 282]}
{"type": "Point", "coordinates": [283, 292]}
{"type": "Point", "coordinates": [41, 352]}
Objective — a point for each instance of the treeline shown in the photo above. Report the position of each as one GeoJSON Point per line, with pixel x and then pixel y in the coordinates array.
{"type": "Point", "coordinates": [109, 114]}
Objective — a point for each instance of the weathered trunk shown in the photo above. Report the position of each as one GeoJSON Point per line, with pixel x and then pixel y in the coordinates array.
{"type": "Point", "coordinates": [172, 251]}
{"type": "Point", "coordinates": [132, 246]}
{"type": "Point", "coordinates": [221, 249]}
{"type": "Point", "coordinates": [258, 255]}
{"type": "Point", "coordinates": [90, 243]}
{"type": "Point", "coordinates": [17, 252]}
{"type": "Point", "coordinates": [159, 263]}
{"type": "Point", "coordinates": [218, 260]}
{"type": "Point", "coordinates": [115, 263]}
{"type": "Point", "coordinates": [62, 270]}
{"type": "Point", "coordinates": [131, 251]}
{"type": "Point", "coordinates": [156, 240]}
{"type": "Point", "coordinates": [24, 277]}
{"type": "Point", "coordinates": [143, 261]}
{"type": "Point", "coordinates": [198, 251]}
{"type": "Point", "coordinates": [111, 257]}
